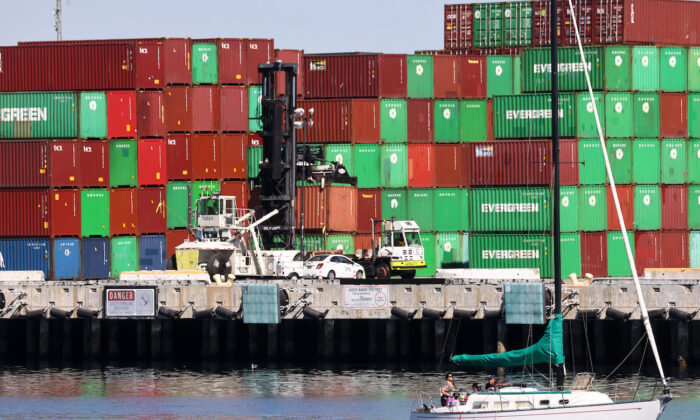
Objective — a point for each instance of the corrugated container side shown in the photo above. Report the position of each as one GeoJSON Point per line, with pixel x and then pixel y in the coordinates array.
{"type": "Point", "coordinates": [694, 115]}
{"type": "Point", "coordinates": [585, 118]}
{"type": "Point", "coordinates": [592, 215]}
{"type": "Point", "coordinates": [239, 189]}
{"type": "Point", "coordinates": [458, 26]}
{"type": "Point", "coordinates": [618, 67]}
{"type": "Point", "coordinates": [674, 161]}
{"type": "Point", "coordinates": [619, 114]}
{"type": "Point", "coordinates": [529, 116]}
{"type": "Point", "coordinates": [93, 115]}
{"type": "Point", "coordinates": [646, 155]}
{"type": "Point", "coordinates": [94, 213]}
{"type": "Point", "coordinates": [420, 76]}
{"type": "Point", "coordinates": [421, 204]}
{"type": "Point", "coordinates": [205, 63]}
{"type": "Point", "coordinates": [253, 160]}
{"type": "Point", "coordinates": [641, 22]}
{"type": "Point", "coordinates": [369, 206]}
{"type": "Point", "coordinates": [510, 163]}
{"type": "Point", "coordinates": [65, 212]}
{"type": "Point", "coordinates": [625, 193]}
{"type": "Point", "coordinates": [646, 114]}
{"type": "Point", "coordinates": [123, 211]}
{"type": "Point", "coordinates": [448, 209]}
{"type": "Point", "coordinates": [38, 115]}
{"type": "Point", "coordinates": [176, 197]}
{"type": "Point", "coordinates": [673, 72]}
{"type": "Point", "coordinates": [694, 206]}
{"type": "Point", "coordinates": [618, 265]}
{"type": "Point", "coordinates": [152, 252]}
{"type": "Point", "coordinates": [446, 116]}
{"type": "Point", "coordinates": [125, 255]}
{"type": "Point", "coordinates": [674, 249]}
{"type": "Point", "coordinates": [205, 108]}
{"type": "Point", "coordinates": [647, 251]}
{"type": "Point", "coordinates": [500, 73]}
{"type": "Point", "coordinates": [568, 152]}
{"type": "Point", "coordinates": [343, 243]}
{"type": "Point", "coordinates": [694, 69]}
{"type": "Point", "coordinates": [294, 57]}
{"type": "Point", "coordinates": [393, 81]}
{"type": "Point", "coordinates": [421, 165]}
{"type": "Point", "coordinates": [476, 120]}
{"type": "Point", "coordinates": [447, 76]}
{"type": "Point", "coordinates": [258, 51]}
{"type": "Point", "coordinates": [673, 109]}
{"type": "Point", "coordinates": [206, 156]}
{"type": "Point", "coordinates": [152, 210]}
{"type": "Point", "coordinates": [419, 120]}
{"type": "Point", "coordinates": [694, 161]}
{"type": "Point", "coordinates": [592, 170]}
{"type": "Point", "coordinates": [152, 158]}
{"type": "Point", "coordinates": [428, 240]}
{"type": "Point", "coordinates": [511, 251]}
{"type": "Point", "coordinates": [594, 253]}
{"type": "Point", "coordinates": [570, 254]}
{"type": "Point", "coordinates": [393, 120]}
{"type": "Point", "coordinates": [233, 155]}
{"type": "Point", "coordinates": [645, 68]}
{"type": "Point", "coordinates": [233, 108]}
{"type": "Point", "coordinates": [510, 209]}
{"type": "Point", "coordinates": [96, 258]}
{"type": "Point", "coordinates": [448, 252]}
{"type": "Point", "coordinates": [179, 156]}
{"type": "Point", "coordinates": [24, 164]}
{"type": "Point", "coordinates": [647, 207]}
{"type": "Point", "coordinates": [177, 61]}
{"type": "Point", "coordinates": [178, 109]}
{"type": "Point", "coordinates": [394, 203]}
{"type": "Point", "coordinates": [584, 14]}
{"type": "Point", "coordinates": [232, 61]}
{"type": "Point", "coordinates": [620, 155]}
{"type": "Point", "coordinates": [568, 216]}
{"type": "Point", "coordinates": [366, 159]}
{"type": "Point", "coordinates": [65, 163]}
{"type": "Point", "coordinates": [450, 165]}
{"type": "Point", "coordinates": [25, 212]}
{"type": "Point", "coordinates": [315, 214]}
{"type": "Point", "coordinates": [332, 121]}
{"type": "Point", "coordinates": [674, 207]}
{"type": "Point", "coordinates": [66, 259]}
{"type": "Point", "coordinates": [121, 114]}
{"type": "Point", "coordinates": [26, 254]}
{"type": "Point", "coordinates": [173, 238]}
{"type": "Point", "coordinates": [394, 165]}
{"type": "Point", "coordinates": [150, 113]}
{"type": "Point", "coordinates": [473, 83]}
{"type": "Point", "coordinates": [123, 167]}
{"type": "Point", "coordinates": [149, 65]}
{"type": "Point", "coordinates": [365, 121]}
{"type": "Point", "coordinates": [342, 76]}
{"type": "Point", "coordinates": [342, 208]}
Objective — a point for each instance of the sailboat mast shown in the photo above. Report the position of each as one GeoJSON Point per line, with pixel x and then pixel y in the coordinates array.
{"type": "Point", "coordinates": [556, 248]}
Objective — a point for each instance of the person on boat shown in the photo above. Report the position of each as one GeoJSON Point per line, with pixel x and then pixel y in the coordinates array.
{"type": "Point", "coordinates": [448, 389]}
{"type": "Point", "coordinates": [476, 387]}
{"type": "Point", "coordinates": [492, 385]}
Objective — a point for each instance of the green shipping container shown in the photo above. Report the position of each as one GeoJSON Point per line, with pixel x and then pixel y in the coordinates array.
{"type": "Point", "coordinates": [38, 115]}
{"type": "Point", "coordinates": [94, 212]}
{"type": "Point", "coordinates": [510, 209]}
{"type": "Point", "coordinates": [646, 114]}
{"type": "Point", "coordinates": [176, 197]}
{"type": "Point", "coordinates": [311, 242]}
{"type": "Point", "coordinates": [205, 64]}
{"type": "Point", "coordinates": [593, 210]}
{"type": "Point", "coordinates": [592, 168]}
{"type": "Point", "coordinates": [694, 69]}
{"type": "Point", "coordinates": [465, 250]}
{"type": "Point", "coordinates": [254, 156]}
{"type": "Point", "coordinates": [570, 254]}
{"type": "Point", "coordinates": [674, 158]}
{"type": "Point", "coordinates": [93, 115]}
{"type": "Point", "coordinates": [695, 249]}
{"type": "Point", "coordinates": [345, 243]}
{"type": "Point", "coordinates": [537, 69]}
{"type": "Point", "coordinates": [529, 116]}
{"type": "Point", "coordinates": [511, 251]}
{"type": "Point", "coordinates": [394, 204]}
{"type": "Point", "coordinates": [487, 25]}
{"type": "Point", "coordinates": [568, 211]}
{"type": "Point", "coordinates": [693, 206]}
{"type": "Point", "coordinates": [620, 155]}
{"type": "Point", "coordinates": [473, 116]}
{"type": "Point", "coordinates": [255, 108]}
{"type": "Point", "coordinates": [694, 161]}
{"type": "Point", "coordinates": [123, 163]}
{"type": "Point", "coordinates": [647, 207]}
{"type": "Point", "coordinates": [421, 206]}
{"type": "Point", "coordinates": [646, 155]}
{"type": "Point", "coordinates": [517, 24]}
{"type": "Point", "coordinates": [394, 165]}
{"type": "Point", "coordinates": [446, 118]}
{"type": "Point", "coordinates": [517, 79]}
{"type": "Point", "coordinates": [200, 188]}
{"type": "Point", "coordinates": [366, 165]}
{"type": "Point", "coordinates": [448, 206]}
{"type": "Point", "coordinates": [694, 115]}
{"type": "Point", "coordinates": [618, 68]}
{"type": "Point", "coordinates": [618, 262]}
{"type": "Point", "coordinates": [125, 255]}
{"type": "Point", "coordinates": [618, 114]}
{"type": "Point", "coordinates": [585, 117]}
{"type": "Point", "coordinates": [420, 76]}
{"type": "Point", "coordinates": [499, 75]}
{"type": "Point", "coordinates": [428, 240]}
{"type": "Point", "coordinates": [393, 120]}
{"type": "Point", "coordinates": [673, 72]}
{"type": "Point", "coordinates": [448, 252]}
{"type": "Point", "coordinates": [464, 210]}
{"type": "Point", "coordinates": [645, 68]}
{"type": "Point", "coordinates": [341, 153]}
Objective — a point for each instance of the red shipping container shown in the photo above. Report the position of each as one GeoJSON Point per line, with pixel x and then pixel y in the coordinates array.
{"type": "Point", "coordinates": [65, 163]}
{"type": "Point", "coordinates": [369, 206]}
{"type": "Point", "coordinates": [364, 121]}
{"type": "Point", "coordinates": [510, 162]}
{"type": "Point", "coordinates": [151, 210]}
{"type": "Point", "coordinates": [342, 121]}
{"type": "Point", "coordinates": [233, 108]}
{"type": "Point", "coordinates": [355, 76]}
{"type": "Point", "coordinates": [150, 114]}
{"type": "Point", "coordinates": [608, 21]}
{"type": "Point", "coordinates": [674, 114]}
{"type": "Point", "coordinates": [239, 189]}
{"type": "Point", "coordinates": [152, 162]}
{"type": "Point", "coordinates": [233, 156]}
{"type": "Point", "coordinates": [541, 23]}
{"type": "Point", "coordinates": [675, 249]}
{"type": "Point", "coordinates": [123, 211]}
{"type": "Point", "coordinates": [584, 13]}
{"type": "Point", "coordinates": [94, 163]}
{"type": "Point", "coordinates": [333, 208]}
{"type": "Point", "coordinates": [177, 61]}
{"type": "Point", "coordinates": [568, 158]}
{"type": "Point", "coordinates": [121, 114]}
{"type": "Point", "coordinates": [364, 240]}
{"type": "Point", "coordinates": [24, 212]}
{"type": "Point", "coordinates": [174, 238]}
{"type": "Point", "coordinates": [421, 165]}
{"type": "Point", "coordinates": [315, 215]}
{"type": "Point", "coordinates": [473, 77]}
{"type": "Point", "coordinates": [178, 159]}
{"type": "Point", "coordinates": [206, 156]}
{"type": "Point", "coordinates": [258, 51]}
{"type": "Point", "coordinates": [594, 253]}
{"type": "Point", "coordinates": [625, 193]}
{"type": "Point", "coordinates": [178, 109]}
{"type": "Point", "coordinates": [254, 140]}
{"type": "Point", "coordinates": [149, 65]}
{"type": "Point", "coordinates": [205, 108]}
{"type": "Point", "coordinates": [458, 26]}
{"type": "Point", "coordinates": [674, 207]}
{"type": "Point", "coordinates": [647, 251]}
{"type": "Point", "coordinates": [67, 67]}
{"type": "Point", "coordinates": [420, 120]}
{"type": "Point", "coordinates": [449, 165]}
{"type": "Point", "coordinates": [232, 55]}
{"type": "Point", "coordinates": [661, 22]}
{"type": "Point", "coordinates": [290, 56]}
{"type": "Point", "coordinates": [24, 163]}
{"type": "Point", "coordinates": [65, 213]}
{"type": "Point", "coordinates": [447, 76]}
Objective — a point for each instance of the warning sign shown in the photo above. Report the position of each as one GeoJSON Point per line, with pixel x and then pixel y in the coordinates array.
{"type": "Point", "coordinates": [366, 297]}
{"type": "Point", "coordinates": [130, 302]}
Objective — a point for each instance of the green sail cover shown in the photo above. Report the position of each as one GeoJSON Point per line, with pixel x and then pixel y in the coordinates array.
{"type": "Point", "coordinates": [550, 349]}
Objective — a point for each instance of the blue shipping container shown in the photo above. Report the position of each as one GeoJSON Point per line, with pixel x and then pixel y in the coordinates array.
{"type": "Point", "coordinates": [152, 252]}
{"type": "Point", "coordinates": [26, 255]}
{"type": "Point", "coordinates": [96, 258]}
{"type": "Point", "coordinates": [66, 258]}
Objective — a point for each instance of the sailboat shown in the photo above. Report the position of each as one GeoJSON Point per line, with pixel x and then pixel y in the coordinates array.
{"type": "Point", "coordinates": [578, 402]}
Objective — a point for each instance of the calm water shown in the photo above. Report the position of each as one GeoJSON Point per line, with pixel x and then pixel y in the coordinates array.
{"type": "Point", "coordinates": [188, 392]}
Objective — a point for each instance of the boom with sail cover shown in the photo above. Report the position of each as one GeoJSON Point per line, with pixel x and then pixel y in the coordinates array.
{"type": "Point", "coordinates": [549, 349]}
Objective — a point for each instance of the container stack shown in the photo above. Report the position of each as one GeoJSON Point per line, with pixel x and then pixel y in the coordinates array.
{"type": "Point", "coordinates": [96, 159]}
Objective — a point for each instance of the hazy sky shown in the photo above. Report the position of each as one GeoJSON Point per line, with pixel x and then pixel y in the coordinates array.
{"type": "Point", "coordinates": [399, 26]}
